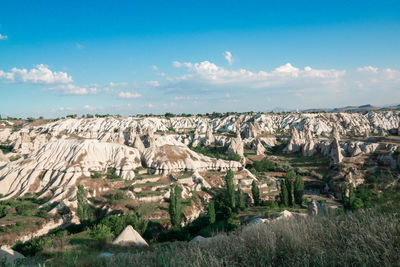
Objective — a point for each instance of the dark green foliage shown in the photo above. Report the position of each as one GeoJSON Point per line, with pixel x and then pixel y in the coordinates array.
{"type": "Point", "coordinates": [4, 210]}
{"type": "Point", "coordinates": [211, 212]}
{"type": "Point", "coordinates": [24, 208]}
{"type": "Point", "coordinates": [230, 190]}
{"type": "Point", "coordinates": [284, 194]}
{"type": "Point", "coordinates": [118, 223]}
{"type": "Point", "coordinates": [255, 191]}
{"type": "Point", "coordinates": [298, 190]}
{"type": "Point", "coordinates": [216, 152]}
{"type": "Point", "coordinates": [241, 201]}
{"type": "Point", "coordinates": [175, 207]}
{"type": "Point", "coordinates": [102, 234]}
{"type": "Point", "coordinates": [6, 149]}
{"type": "Point", "coordinates": [264, 165]}
{"type": "Point", "coordinates": [42, 213]}
{"type": "Point", "coordinates": [96, 175]}
{"type": "Point", "coordinates": [83, 210]}
{"type": "Point", "coordinates": [289, 180]}
{"type": "Point", "coordinates": [112, 174]}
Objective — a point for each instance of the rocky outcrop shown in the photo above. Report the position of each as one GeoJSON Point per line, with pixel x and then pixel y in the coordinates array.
{"type": "Point", "coordinates": [173, 158]}
{"type": "Point", "coordinates": [56, 166]}
{"type": "Point", "coordinates": [317, 208]}
{"type": "Point", "coordinates": [259, 148]}
{"type": "Point", "coordinates": [129, 236]}
{"type": "Point", "coordinates": [336, 156]}
{"type": "Point", "coordinates": [3, 159]}
{"type": "Point", "coordinates": [236, 146]}
{"type": "Point", "coordinates": [301, 141]}
{"type": "Point", "coordinates": [209, 139]}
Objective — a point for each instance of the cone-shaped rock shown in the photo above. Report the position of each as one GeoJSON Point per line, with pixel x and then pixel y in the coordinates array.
{"type": "Point", "coordinates": [129, 236]}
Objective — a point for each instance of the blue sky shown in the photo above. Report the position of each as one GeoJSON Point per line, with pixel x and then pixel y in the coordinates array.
{"type": "Point", "coordinates": [129, 57]}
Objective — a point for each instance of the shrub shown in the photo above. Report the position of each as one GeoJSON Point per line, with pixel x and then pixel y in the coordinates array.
{"type": "Point", "coordinates": [102, 234]}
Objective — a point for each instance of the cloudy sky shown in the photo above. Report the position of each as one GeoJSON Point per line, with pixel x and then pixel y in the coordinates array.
{"type": "Point", "coordinates": [129, 57]}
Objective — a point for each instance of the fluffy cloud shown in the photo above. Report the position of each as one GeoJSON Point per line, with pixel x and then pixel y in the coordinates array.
{"type": "Point", "coordinates": [128, 95]}
{"type": "Point", "coordinates": [153, 83]}
{"type": "Point", "coordinates": [228, 57]}
{"type": "Point", "coordinates": [208, 73]}
{"type": "Point", "coordinates": [3, 37]}
{"type": "Point", "coordinates": [70, 89]}
{"type": "Point", "coordinates": [39, 75]}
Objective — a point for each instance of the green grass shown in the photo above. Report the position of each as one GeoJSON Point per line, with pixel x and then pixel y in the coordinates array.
{"type": "Point", "coordinates": [366, 238]}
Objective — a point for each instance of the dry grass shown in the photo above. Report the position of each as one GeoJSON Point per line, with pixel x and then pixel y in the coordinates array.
{"type": "Point", "coordinates": [366, 238]}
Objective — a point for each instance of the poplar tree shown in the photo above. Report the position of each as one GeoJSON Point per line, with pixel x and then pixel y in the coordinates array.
{"type": "Point", "coordinates": [284, 194]}
{"type": "Point", "coordinates": [299, 190]}
{"type": "Point", "coordinates": [175, 210]}
{"type": "Point", "coordinates": [211, 212]}
{"type": "Point", "coordinates": [230, 189]}
{"type": "Point", "coordinates": [83, 210]}
{"type": "Point", "coordinates": [255, 191]}
{"type": "Point", "coordinates": [241, 201]}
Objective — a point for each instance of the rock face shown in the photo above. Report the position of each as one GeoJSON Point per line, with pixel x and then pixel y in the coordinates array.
{"type": "Point", "coordinates": [236, 146]}
{"type": "Point", "coordinates": [3, 159]}
{"type": "Point", "coordinates": [56, 166]}
{"type": "Point", "coordinates": [317, 208]}
{"type": "Point", "coordinates": [301, 141]}
{"type": "Point", "coordinates": [210, 139]}
{"type": "Point", "coordinates": [259, 148]}
{"type": "Point", "coordinates": [167, 158]}
{"type": "Point", "coordinates": [129, 236]}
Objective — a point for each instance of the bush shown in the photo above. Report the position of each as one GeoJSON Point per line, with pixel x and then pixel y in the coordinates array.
{"type": "Point", "coordinates": [118, 223]}
{"type": "Point", "coordinates": [102, 234]}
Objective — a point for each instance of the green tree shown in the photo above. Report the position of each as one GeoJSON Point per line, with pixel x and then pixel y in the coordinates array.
{"type": "Point", "coordinates": [211, 212]}
{"type": "Point", "coordinates": [284, 194]}
{"type": "Point", "coordinates": [241, 201]}
{"type": "Point", "coordinates": [83, 211]}
{"type": "Point", "coordinates": [298, 190]}
{"type": "Point", "coordinates": [230, 189]}
{"type": "Point", "coordinates": [289, 179]}
{"type": "Point", "coordinates": [175, 209]}
{"type": "Point", "coordinates": [255, 191]}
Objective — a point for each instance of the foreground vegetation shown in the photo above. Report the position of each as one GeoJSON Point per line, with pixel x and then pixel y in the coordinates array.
{"type": "Point", "coordinates": [366, 238]}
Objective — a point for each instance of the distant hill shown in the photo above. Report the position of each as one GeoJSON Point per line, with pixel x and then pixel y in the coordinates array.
{"type": "Point", "coordinates": [361, 108]}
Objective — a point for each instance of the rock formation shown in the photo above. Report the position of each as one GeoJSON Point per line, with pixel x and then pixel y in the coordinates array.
{"type": "Point", "coordinates": [129, 236]}
{"type": "Point", "coordinates": [210, 139]}
{"type": "Point", "coordinates": [259, 147]}
{"type": "Point", "coordinates": [236, 146]}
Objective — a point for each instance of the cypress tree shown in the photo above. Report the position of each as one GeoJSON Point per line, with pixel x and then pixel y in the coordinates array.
{"type": "Point", "coordinates": [211, 212]}
{"type": "Point", "coordinates": [290, 187]}
{"type": "Point", "coordinates": [230, 190]}
{"type": "Point", "coordinates": [284, 194]}
{"type": "Point", "coordinates": [255, 191]}
{"type": "Point", "coordinates": [299, 190]}
{"type": "Point", "coordinates": [83, 210]}
{"type": "Point", "coordinates": [241, 202]}
{"type": "Point", "coordinates": [175, 210]}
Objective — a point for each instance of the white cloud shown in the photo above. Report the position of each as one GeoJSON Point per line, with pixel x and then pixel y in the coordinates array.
{"type": "Point", "coordinates": [71, 89]}
{"type": "Point", "coordinates": [113, 84]}
{"type": "Point", "coordinates": [208, 73]}
{"type": "Point", "coordinates": [153, 83]}
{"type": "Point", "coordinates": [3, 37]}
{"type": "Point", "coordinates": [39, 75]}
{"type": "Point", "coordinates": [228, 56]}
{"type": "Point", "coordinates": [149, 105]}
{"type": "Point", "coordinates": [368, 68]}
{"type": "Point", "coordinates": [80, 46]}
{"type": "Point", "coordinates": [128, 95]}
